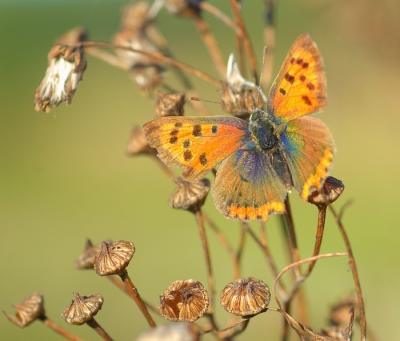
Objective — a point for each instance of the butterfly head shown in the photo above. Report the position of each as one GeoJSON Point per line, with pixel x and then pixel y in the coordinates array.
{"type": "Point", "coordinates": [263, 129]}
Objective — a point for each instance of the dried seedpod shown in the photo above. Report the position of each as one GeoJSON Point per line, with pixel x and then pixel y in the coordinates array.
{"type": "Point", "coordinates": [86, 259]}
{"type": "Point", "coordinates": [239, 96]}
{"type": "Point", "coordinates": [138, 143]}
{"type": "Point", "coordinates": [169, 104]}
{"type": "Point", "coordinates": [329, 193]}
{"type": "Point", "coordinates": [335, 333]}
{"type": "Point", "coordinates": [74, 36]}
{"type": "Point", "coordinates": [82, 308]}
{"type": "Point", "coordinates": [186, 8]}
{"type": "Point", "coordinates": [340, 313]}
{"type": "Point", "coordinates": [189, 195]}
{"type": "Point", "coordinates": [184, 300]}
{"type": "Point", "coordinates": [113, 258]}
{"type": "Point", "coordinates": [245, 297]}
{"type": "Point", "coordinates": [171, 332]}
{"type": "Point", "coordinates": [30, 309]}
{"type": "Point", "coordinates": [135, 15]}
{"type": "Point", "coordinates": [64, 71]}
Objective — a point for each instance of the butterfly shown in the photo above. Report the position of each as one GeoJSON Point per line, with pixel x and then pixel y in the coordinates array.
{"type": "Point", "coordinates": [260, 160]}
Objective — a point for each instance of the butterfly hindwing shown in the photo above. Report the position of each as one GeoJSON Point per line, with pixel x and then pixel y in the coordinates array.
{"type": "Point", "coordinates": [309, 151]}
{"type": "Point", "coordinates": [300, 87]}
{"type": "Point", "coordinates": [196, 144]}
{"type": "Point", "coordinates": [247, 186]}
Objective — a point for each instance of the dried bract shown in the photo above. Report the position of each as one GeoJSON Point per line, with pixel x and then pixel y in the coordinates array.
{"type": "Point", "coordinates": [185, 300]}
{"type": "Point", "coordinates": [189, 196]}
{"type": "Point", "coordinates": [329, 193]}
{"type": "Point", "coordinates": [134, 16]}
{"type": "Point", "coordinates": [171, 332]}
{"type": "Point", "coordinates": [138, 143]}
{"type": "Point", "coordinates": [64, 71]}
{"type": "Point", "coordinates": [28, 310]}
{"type": "Point", "coordinates": [113, 258]}
{"type": "Point", "coordinates": [335, 333]}
{"type": "Point", "coordinates": [239, 96]}
{"type": "Point", "coordinates": [169, 104]}
{"type": "Point", "coordinates": [186, 8]}
{"type": "Point", "coordinates": [82, 308]}
{"type": "Point", "coordinates": [245, 297]}
{"type": "Point", "coordinates": [86, 259]}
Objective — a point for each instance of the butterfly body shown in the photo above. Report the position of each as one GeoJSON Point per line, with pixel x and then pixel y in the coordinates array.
{"type": "Point", "coordinates": [260, 160]}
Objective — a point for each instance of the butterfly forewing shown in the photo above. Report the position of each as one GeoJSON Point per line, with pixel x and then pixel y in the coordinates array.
{"type": "Point", "coordinates": [300, 87]}
{"type": "Point", "coordinates": [309, 151]}
{"type": "Point", "coordinates": [247, 186]}
{"type": "Point", "coordinates": [196, 144]}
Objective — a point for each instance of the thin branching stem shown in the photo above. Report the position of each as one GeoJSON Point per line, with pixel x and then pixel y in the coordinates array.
{"type": "Point", "coordinates": [356, 279]}
{"type": "Point", "coordinates": [269, 38]}
{"type": "Point", "coordinates": [58, 329]}
{"type": "Point", "coordinates": [206, 250]}
{"type": "Point", "coordinates": [99, 330]}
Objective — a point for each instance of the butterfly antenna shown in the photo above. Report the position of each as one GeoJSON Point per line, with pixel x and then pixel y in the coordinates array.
{"type": "Point", "coordinates": [202, 100]}
{"type": "Point", "coordinates": [260, 92]}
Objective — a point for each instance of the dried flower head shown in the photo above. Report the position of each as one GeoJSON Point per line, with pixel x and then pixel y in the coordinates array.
{"type": "Point", "coordinates": [74, 36]}
{"type": "Point", "coordinates": [82, 308]}
{"type": "Point", "coordinates": [86, 259]}
{"type": "Point", "coordinates": [329, 193]}
{"type": "Point", "coordinates": [185, 300]}
{"type": "Point", "coordinates": [189, 195]}
{"type": "Point", "coordinates": [186, 8]}
{"type": "Point", "coordinates": [64, 71]}
{"type": "Point", "coordinates": [245, 297]}
{"type": "Point", "coordinates": [28, 310]}
{"type": "Point", "coordinates": [135, 15]}
{"type": "Point", "coordinates": [113, 258]}
{"type": "Point", "coordinates": [138, 143]}
{"type": "Point", "coordinates": [171, 332]}
{"type": "Point", "coordinates": [335, 333]}
{"type": "Point", "coordinates": [239, 96]}
{"type": "Point", "coordinates": [169, 104]}
{"type": "Point", "coordinates": [341, 312]}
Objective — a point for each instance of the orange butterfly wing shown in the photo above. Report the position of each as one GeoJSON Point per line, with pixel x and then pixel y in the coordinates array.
{"type": "Point", "coordinates": [196, 144]}
{"type": "Point", "coordinates": [300, 87]}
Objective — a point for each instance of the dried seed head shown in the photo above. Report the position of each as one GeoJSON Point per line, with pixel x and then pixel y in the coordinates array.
{"type": "Point", "coordinates": [171, 332]}
{"type": "Point", "coordinates": [341, 312]}
{"type": "Point", "coordinates": [86, 259]}
{"type": "Point", "coordinates": [189, 196]}
{"type": "Point", "coordinates": [135, 16]}
{"type": "Point", "coordinates": [145, 71]}
{"type": "Point", "coordinates": [186, 8]}
{"type": "Point", "coordinates": [138, 143]}
{"type": "Point", "coordinates": [245, 297]}
{"type": "Point", "coordinates": [74, 36]}
{"type": "Point", "coordinates": [113, 258]}
{"type": "Point", "coordinates": [185, 300]}
{"type": "Point", "coordinates": [169, 104]}
{"type": "Point", "coordinates": [82, 308]}
{"type": "Point", "coordinates": [335, 333]}
{"type": "Point", "coordinates": [329, 193]}
{"type": "Point", "coordinates": [28, 310]}
{"type": "Point", "coordinates": [64, 71]}
{"type": "Point", "coordinates": [239, 96]}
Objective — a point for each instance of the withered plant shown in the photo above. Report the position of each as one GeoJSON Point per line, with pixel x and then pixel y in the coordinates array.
{"type": "Point", "coordinates": [187, 305]}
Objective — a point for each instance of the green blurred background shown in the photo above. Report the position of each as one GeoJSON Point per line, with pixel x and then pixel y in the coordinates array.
{"type": "Point", "coordinates": [65, 177]}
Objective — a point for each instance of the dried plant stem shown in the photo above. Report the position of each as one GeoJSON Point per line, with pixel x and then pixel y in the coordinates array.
{"type": "Point", "coordinates": [106, 57]}
{"type": "Point", "coordinates": [226, 244]}
{"type": "Point", "coordinates": [206, 250]}
{"type": "Point", "coordinates": [356, 279]}
{"type": "Point", "coordinates": [269, 38]}
{"type": "Point", "coordinates": [157, 56]}
{"type": "Point", "coordinates": [211, 45]}
{"type": "Point", "coordinates": [51, 324]}
{"type": "Point", "coordinates": [121, 286]}
{"type": "Point", "coordinates": [133, 292]}
{"type": "Point", "coordinates": [318, 237]}
{"type": "Point", "coordinates": [99, 330]}
{"type": "Point", "coordinates": [293, 247]}
{"type": "Point", "coordinates": [206, 6]}
{"type": "Point", "coordinates": [243, 322]}
{"type": "Point", "coordinates": [245, 38]}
